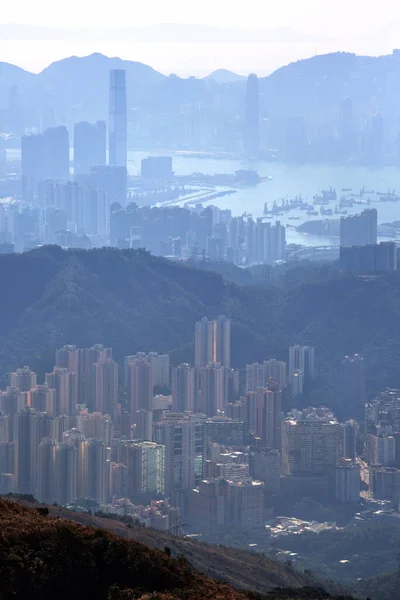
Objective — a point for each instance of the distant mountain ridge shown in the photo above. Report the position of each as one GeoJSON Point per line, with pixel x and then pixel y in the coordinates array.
{"type": "Point", "coordinates": [77, 87]}
{"type": "Point", "coordinates": [133, 301]}
{"type": "Point", "coordinates": [225, 76]}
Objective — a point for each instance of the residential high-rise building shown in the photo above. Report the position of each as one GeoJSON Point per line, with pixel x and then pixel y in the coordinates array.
{"type": "Point", "coordinates": [301, 358]}
{"type": "Point", "coordinates": [252, 117]}
{"type": "Point", "coordinates": [202, 352]}
{"type": "Point", "coordinates": [46, 471]}
{"type": "Point", "coordinates": [213, 342]}
{"type": "Point", "coordinates": [12, 401]}
{"type": "Point", "coordinates": [4, 427]}
{"type": "Point", "coordinates": [43, 398]}
{"type": "Point", "coordinates": [66, 474]}
{"type": "Point", "coordinates": [60, 380]}
{"type": "Point", "coordinates": [359, 230]}
{"type": "Point", "coordinates": [95, 425]}
{"type": "Point", "coordinates": [213, 389]}
{"type": "Point", "coordinates": [369, 259]}
{"type": "Point", "coordinates": [67, 357]}
{"type": "Point", "coordinates": [110, 180]}
{"type": "Point", "coordinates": [246, 503]}
{"type": "Point", "coordinates": [352, 380]}
{"type": "Point", "coordinates": [265, 465]}
{"type": "Point", "coordinates": [119, 480]}
{"type": "Point", "coordinates": [56, 145]}
{"type": "Point", "coordinates": [160, 368]}
{"type": "Point", "coordinates": [380, 450]}
{"type": "Point", "coordinates": [183, 388]}
{"type": "Point", "coordinates": [310, 445]}
{"type": "Point", "coordinates": [30, 427]}
{"type": "Point", "coordinates": [44, 156]}
{"type": "Point", "coordinates": [117, 145]}
{"type": "Point", "coordinates": [269, 418]}
{"type": "Point", "coordinates": [348, 439]}
{"type": "Point", "coordinates": [95, 474]}
{"type": "Point", "coordinates": [221, 341]}
{"type": "Point", "coordinates": [297, 383]}
{"type": "Point", "coordinates": [257, 375]}
{"type": "Point", "coordinates": [146, 469]}
{"type": "Point", "coordinates": [144, 425]}
{"type": "Point", "coordinates": [90, 145]}
{"type": "Point", "coordinates": [106, 387]}
{"type": "Point", "coordinates": [7, 462]}
{"type": "Point", "coordinates": [185, 450]}
{"type": "Point", "coordinates": [75, 438]}
{"type": "Point", "coordinates": [141, 387]}
{"type": "Point", "coordinates": [23, 379]}
{"type": "Point", "coordinates": [270, 242]}
{"type": "Point", "coordinates": [87, 358]}
{"type": "Point", "coordinates": [348, 483]}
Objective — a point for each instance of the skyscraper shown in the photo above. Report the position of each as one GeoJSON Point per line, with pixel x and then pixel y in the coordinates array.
{"type": "Point", "coordinates": [46, 471]}
{"type": "Point", "coordinates": [117, 145]}
{"type": "Point", "coordinates": [56, 146]}
{"type": "Point", "coordinates": [23, 379]}
{"type": "Point", "coordinates": [269, 418]}
{"type": "Point", "coordinates": [144, 425]}
{"type": "Point", "coordinates": [202, 354]}
{"type": "Point", "coordinates": [221, 341]}
{"type": "Point", "coordinates": [96, 484]}
{"type": "Point", "coordinates": [12, 401]}
{"type": "Point", "coordinates": [213, 342]}
{"type": "Point", "coordinates": [66, 473]}
{"type": "Point", "coordinates": [310, 446]}
{"type": "Point", "coordinates": [213, 389]}
{"type": "Point", "coordinates": [352, 380]}
{"type": "Point", "coordinates": [359, 230]}
{"type": "Point", "coordinates": [43, 398]}
{"type": "Point", "coordinates": [90, 145]}
{"type": "Point", "coordinates": [252, 120]}
{"type": "Point", "coordinates": [87, 358]}
{"type": "Point", "coordinates": [60, 381]}
{"type": "Point", "coordinates": [185, 450]}
{"type": "Point", "coordinates": [30, 427]}
{"type": "Point", "coordinates": [67, 357]}
{"type": "Point", "coordinates": [348, 439]}
{"type": "Point", "coordinates": [146, 469]}
{"type": "Point", "coordinates": [257, 375]}
{"type": "Point", "coordinates": [301, 358]}
{"type": "Point", "coordinates": [106, 387]}
{"type": "Point", "coordinates": [183, 388]}
{"type": "Point", "coordinates": [141, 387]}
{"type": "Point", "coordinates": [44, 156]}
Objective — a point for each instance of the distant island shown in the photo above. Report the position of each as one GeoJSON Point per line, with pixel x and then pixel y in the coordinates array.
{"type": "Point", "coordinates": [331, 228]}
{"type": "Point", "coordinates": [326, 227]}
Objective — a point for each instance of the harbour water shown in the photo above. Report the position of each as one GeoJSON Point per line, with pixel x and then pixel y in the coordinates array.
{"type": "Point", "coordinates": [288, 181]}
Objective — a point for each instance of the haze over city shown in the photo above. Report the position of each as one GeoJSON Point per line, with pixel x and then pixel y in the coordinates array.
{"type": "Point", "coordinates": [177, 37]}
{"type": "Point", "coordinates": [200, 300]}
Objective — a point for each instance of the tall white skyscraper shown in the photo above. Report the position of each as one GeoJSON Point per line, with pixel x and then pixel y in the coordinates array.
{"type": "Point", "coordinates": [117, 143]}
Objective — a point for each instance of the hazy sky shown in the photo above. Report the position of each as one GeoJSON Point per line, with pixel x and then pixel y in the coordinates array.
{"type": "Point", "coordinates": [364, 26]}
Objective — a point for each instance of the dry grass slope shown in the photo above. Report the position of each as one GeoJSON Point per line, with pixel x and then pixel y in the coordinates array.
{"type": "Point", "coordinates": [50, 557]}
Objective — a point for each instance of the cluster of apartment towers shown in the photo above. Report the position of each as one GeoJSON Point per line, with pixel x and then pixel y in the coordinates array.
{"type": "Point", "coordinates": [88, 433]}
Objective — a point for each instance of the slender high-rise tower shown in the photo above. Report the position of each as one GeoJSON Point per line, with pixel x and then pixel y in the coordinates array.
{"type": "Point", "coordinates": [118, 119]}
{"type": "Point", "coordinates": [252, 124]}
{"type": "Point", "coordinates": [213, 342]}
{"type": "Point", "coordinates": [183, 388]}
